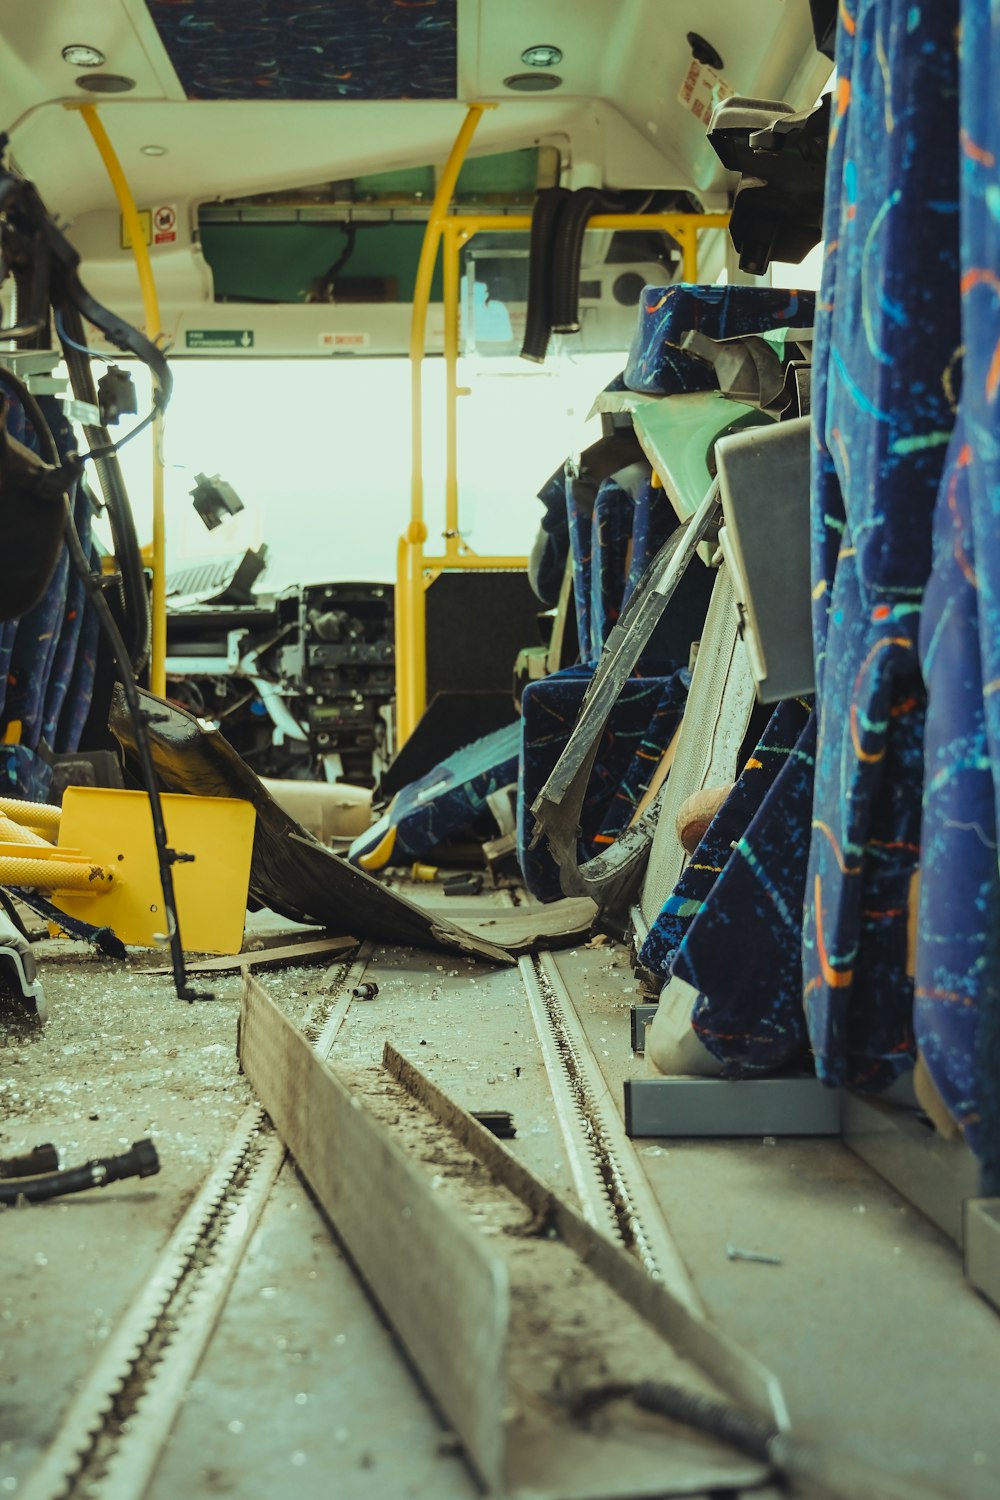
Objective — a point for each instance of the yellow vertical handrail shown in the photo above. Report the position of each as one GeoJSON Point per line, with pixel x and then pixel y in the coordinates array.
{"type": "Point", "coordinates": [452, 240]}
{"type": "Point", "coordinates": [411, 562]}
{"type": "Point", "coordinates": [411, 693]}
{"type": "Point", "coordinates": [151, 312]}
{"type": "Point", "coordinates": [689, 253]}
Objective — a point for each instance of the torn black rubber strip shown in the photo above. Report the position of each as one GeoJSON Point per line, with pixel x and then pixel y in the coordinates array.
{"type": "Point", "coordinates": [612, 876]}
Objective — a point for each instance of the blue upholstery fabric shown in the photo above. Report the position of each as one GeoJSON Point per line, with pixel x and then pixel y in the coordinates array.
{"type": "Point", "coordinates": [8, 633]}
{"type": "Point", "coordinates": [548, 564]}
{"type": "Point", "coordinates": [311, 49]}
{"type": "Point", "coordinates": [66, 643]}
{"type": "Point", "coordinates": [960, 887]}
{"type": "Point", "coordinates": [742, 952]}
{"type": "Point", "coordinates": [886, 350]}
{"type": "Point", "coordinates": [653, 522]}
{"type": "Point", "coordinates": [76, 705]}
{"type": "Point", "coordinates": [658, 366]}
{"type": "Point", "coordinates": [449, 802]}
{"type": "Point", "coordinates": [731, 928]}
{"type": "Point", "coordinates": [957, 1009]}
{"type": "Point", "coordinates": [641, 726]}
{"type": "Point", "coordinates": [647, 713]}
{"type": "Point", "coordinates": [32, 657]}
{"type": "Point", "coordinates": [611, 533]}
{"type": "Point", "coordinates": [655, 738]}
{"type": "Point", "coordinates": [24, 774]}
{"type": "Point", "coordinates": [700, 875]}
{"type": "Point", "coordinates": [580, 521]}
{"type": "Point", "coordinates": [47, 657]}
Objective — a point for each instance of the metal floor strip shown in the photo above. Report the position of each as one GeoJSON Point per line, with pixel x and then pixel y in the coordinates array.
{"type": "Point", "coordinates": [615, 1194]}
{"type": "Point", "coordinates": [115, 1428]}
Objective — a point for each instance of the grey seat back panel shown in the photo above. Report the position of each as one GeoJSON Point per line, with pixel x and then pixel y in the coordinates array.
{"type": "Point", "coordinates": [715, 721]}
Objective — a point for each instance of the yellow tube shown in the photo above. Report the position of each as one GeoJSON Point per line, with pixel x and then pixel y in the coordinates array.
{"type": "Point", "coordinates": [17, 833]}
{"type": "Point", "coordinates": [151, 311]}
{"type": "Point", "coordinates": [32, 814]}
{"type": "Point", "coordinates": [54, 874]}
{"type": "Point", "coordinates": [473, 561]}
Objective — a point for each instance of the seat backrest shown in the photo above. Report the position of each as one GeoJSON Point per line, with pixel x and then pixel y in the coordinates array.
{"type": "Point", "coordinates": [716, 718]}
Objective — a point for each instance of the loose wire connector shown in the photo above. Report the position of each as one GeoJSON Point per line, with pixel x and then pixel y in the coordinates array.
{"type": "Point", "coordinates": [140, 1160]}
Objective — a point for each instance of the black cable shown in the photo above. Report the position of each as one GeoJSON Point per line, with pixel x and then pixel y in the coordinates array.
{"type": "Point", "coordinates": [140, 1161]}
{"type": "Point", "coordinates": [729, 1424]}
{"type": "Point", "coordinates": [165, 856]}
{"type": "Point", "coordinates": [14, 914]}
{"type": "Point", "coordinates": [138, 625]}
{"type": "Point", "coordinates": [65, 339]}
{"type": "Point", "coordinates": [327, 282]}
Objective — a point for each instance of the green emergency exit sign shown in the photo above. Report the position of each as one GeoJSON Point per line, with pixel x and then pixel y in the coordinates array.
{"type": "Point", "coordinates": [219, 338]}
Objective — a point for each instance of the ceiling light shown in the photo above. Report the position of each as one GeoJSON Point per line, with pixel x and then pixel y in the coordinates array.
{"type": "Point", "coordinates": [153, 150]}
{"type": "Point", "coordinates": [542, 56]}
{"type": "Point", "coordinates": [532, 83]}
{"type": "Point", "coordinates": [82, 56]}
{"type": "Point", "coordinates": [105, 83]}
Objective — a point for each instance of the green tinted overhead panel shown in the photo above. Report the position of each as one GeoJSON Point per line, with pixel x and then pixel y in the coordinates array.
{"type": "Point", "coordinates": [311, 49]}
{"type": "Point", "coordinates": [507, 176]}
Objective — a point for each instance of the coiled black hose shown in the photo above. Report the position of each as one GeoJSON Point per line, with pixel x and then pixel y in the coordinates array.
{"type": "Point", "coordinates": [567, 248]}
{"type": "Point", "coordinates": [549, 205]}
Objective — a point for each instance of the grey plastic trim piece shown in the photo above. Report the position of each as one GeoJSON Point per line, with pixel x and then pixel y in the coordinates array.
{"type": "Point", "coordinates": [719, 704]}
{"type": "Point", "coordinates": [718, 1107]}
{"type": "Point", "coordinates": [982, 1247]}
{"type": "Point", "coordinates": [642, 1016]}
{"type": "Point", "coordinates": [935, 1175]}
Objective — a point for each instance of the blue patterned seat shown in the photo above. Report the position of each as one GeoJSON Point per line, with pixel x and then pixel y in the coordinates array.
{"type": "Point", "coordinates": [628, 512]}
{"type": "Point", "coordinates": [658, 366]}
{"type": "Point", "coordinates": [886, 351]}
{"type": "Point", "coordinates": [47, 656]}
{"type": "Point", "coordinates": [732, 926]}
{"type": "Point", "coordinates": [957, 1006]}
{"type": "Point", "coordinates": [642, 724]}
{"type": "Point", "coordinates": [449, 802]}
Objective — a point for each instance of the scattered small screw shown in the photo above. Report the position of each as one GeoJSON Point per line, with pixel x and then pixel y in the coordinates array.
{"type": "Point", "coordinates": [735, 1253]}
{"type": "Point", "coordinates": [366, 991]}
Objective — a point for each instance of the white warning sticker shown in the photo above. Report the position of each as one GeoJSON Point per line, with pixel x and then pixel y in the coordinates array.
{"type": "Point", "coordinates": [164, 224]}
{"type": "Point", "coordinates": [702, 89]}
{"type": "Point", "coordinates": [344, 343]}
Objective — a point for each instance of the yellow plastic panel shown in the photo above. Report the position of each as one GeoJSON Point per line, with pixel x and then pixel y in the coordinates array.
{"type": "Point", "coordinates": [115, 829]}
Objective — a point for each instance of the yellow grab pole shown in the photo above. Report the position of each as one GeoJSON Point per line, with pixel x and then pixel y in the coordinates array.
{"type": "Point", "coordinates": [689, 253]}
{"type": "Point", "coordinates": [151, 311]}
{"type": "Point", "coordinates": [402, 612]}
{"type": "Point", "coordinates": [452, 240]}
{"type": "Point", "coordinates": [410, 696]}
